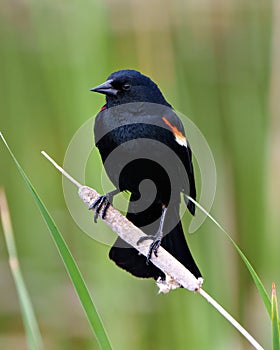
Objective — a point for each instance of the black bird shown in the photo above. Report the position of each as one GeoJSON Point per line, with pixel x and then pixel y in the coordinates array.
{"type": "Point", "coordinates": [144, 150]}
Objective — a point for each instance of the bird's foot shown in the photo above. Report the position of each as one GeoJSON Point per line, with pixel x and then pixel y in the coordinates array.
{"type": "Point", "coordinates": [153, 246]}
{"type": "Point", "coordinates": [156, 238]}
{"type": "Point", "coordinates": [101, 204]}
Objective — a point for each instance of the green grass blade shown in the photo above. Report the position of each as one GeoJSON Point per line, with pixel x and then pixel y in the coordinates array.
{"type": "Point", "coordinates": [70, 264]}
{"type": "Point", "coordinates": [275, 320]}
{"type": "Point", "coordinates": [254, 275]}
{"type": "Point", "coordinates": [34, 339]}
{"type": "Point", "coordinates": [256, 279]}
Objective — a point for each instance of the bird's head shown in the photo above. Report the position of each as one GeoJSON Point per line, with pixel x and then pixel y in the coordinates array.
{"type": "Point", "coordinates": [126, 86]}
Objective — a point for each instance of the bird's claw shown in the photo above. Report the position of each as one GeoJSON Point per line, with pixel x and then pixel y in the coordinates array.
{"type": "Point", "coordinates": [153, 246]}
{"type": "Point", "coordinates": [101, 204]}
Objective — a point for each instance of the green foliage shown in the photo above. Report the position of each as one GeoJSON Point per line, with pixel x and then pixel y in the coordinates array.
{"type": "Point", "coordinates": [214, 64]}
{"type": "Point", "coordinates": [70, 265]}
{"type": "Point", "coordinates": [33, 336]}
{"type": "Point", "coordinates": [250, 268]}
{"type": "Point", "coordinates": [275, 320]}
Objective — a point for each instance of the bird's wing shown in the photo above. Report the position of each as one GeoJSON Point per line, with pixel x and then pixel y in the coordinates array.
{"type": "Point", "coordinates": [173, 122]}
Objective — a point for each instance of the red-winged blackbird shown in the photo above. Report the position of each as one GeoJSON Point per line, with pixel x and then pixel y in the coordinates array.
{"type": "Point", "coordinates": [144, 150]}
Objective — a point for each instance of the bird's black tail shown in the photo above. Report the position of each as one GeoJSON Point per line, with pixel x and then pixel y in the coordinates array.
{"type": "Point", "coordinates": [132, 261]}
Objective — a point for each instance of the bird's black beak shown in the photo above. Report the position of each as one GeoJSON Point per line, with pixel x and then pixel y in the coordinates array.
{"type": "Point", "coordinates": [105, 88]}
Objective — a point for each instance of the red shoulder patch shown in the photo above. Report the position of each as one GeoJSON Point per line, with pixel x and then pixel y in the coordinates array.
{"type": "Point", "coordinates": [103, 108]}
{"type": "Point", "coordinates": [179, 137]}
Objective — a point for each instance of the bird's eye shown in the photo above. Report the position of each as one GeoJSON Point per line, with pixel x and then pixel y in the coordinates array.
{"type": "Point", "coordinates": [126, 86]}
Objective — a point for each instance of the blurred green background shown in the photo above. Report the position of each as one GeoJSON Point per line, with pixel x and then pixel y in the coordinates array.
{"type": "Point", "coordinates": [217, 62]}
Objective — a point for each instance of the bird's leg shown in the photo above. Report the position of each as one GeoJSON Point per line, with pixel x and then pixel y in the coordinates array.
{"type": "Point", "coordinates": [102, 203]}
{"type": "Point", "coordinates": [156, 238]}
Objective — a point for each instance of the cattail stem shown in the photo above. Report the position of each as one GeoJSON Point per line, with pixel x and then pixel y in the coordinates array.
{"type": "Point", "coordinates": [176, 274]}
